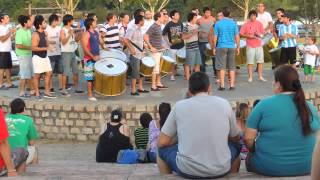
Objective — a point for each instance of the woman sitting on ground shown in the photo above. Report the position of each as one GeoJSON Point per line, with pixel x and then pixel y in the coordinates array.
{"type": "Point", "coordinates": [286, 125]}
{"type": "Point", "coordinates": [154, 130]}
{"type": "Point", "coordinates": [114, 139]}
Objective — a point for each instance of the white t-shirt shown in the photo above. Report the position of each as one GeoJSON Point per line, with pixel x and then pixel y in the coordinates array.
{"type": "Point", "coordinates": [264, 18]}
{"type": "Point", "coordinates": [71, 45]}
{"type": "Point", "coordinates": [5, 46]}
{"type": "Point", "coordinates": [310, 59]}
{"type": "Point", "coordinates": [54, 35]}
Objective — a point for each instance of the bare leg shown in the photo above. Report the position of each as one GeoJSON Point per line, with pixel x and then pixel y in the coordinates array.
{"type": "Point", "coordinates": [90, 89]}
{"type": "Point", "coordinates": [133, 85]}
{"type": "Point", "coordinates": [36, 79]}
{"type": "Point", "coordinates": [173, 71]}
{"type": "Point", "coordinates": [260, 70]}
{"type": "Point", "coordinates": [141, 84]}
{"type": "Point", "coordinates": [8, 76]}
{"type": "Point", "coordinates": [22, 87]}
{"type": "Point", "coordinates": [60, 80]}
{"type": "Point", "coordinates": [235, 166]}
{"type": "Point", "coordinates": [1, 76]}
{"type": "Point", "coordinates": [154, 78]}
{"type": "Point", "coordinates": [22, 168]}
{"type": "Point", "coordinates": [187, 72]}
{"type": "Point", "coordinates": [158, 80]}
{"type": "Point", "coordinates": [250, 72]}
{"type": "Point", "coordinates": [232, 75]}
{"type": "Point", "coordinates": [221, 77]}
{"type": "Point", "coordinates": [64, 82]}
{"type": "Point", "coordinates": [76, 81]}
{"type": "Point", "coordinates": [196, 68]}
{"type": "Point", "coordinates": [47, 82]}
{"type": "Point", "coordinates": [31, 85]}
{"type": "Point", "coordinates": [163, 167]}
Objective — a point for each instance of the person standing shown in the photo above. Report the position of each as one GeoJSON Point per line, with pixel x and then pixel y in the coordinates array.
{"type": "Point", "coordinates": [134, 41]}
{"type": "Point", "coordinates": [81, 22]}
{"type": "Point", "coordinates": [205, 23]}
{"type": "Point", "coordinates": [190, 35]}
{"type": "Point", "coordinates": [69, 62]}
{"type": "Point", "coordinates": [135, 14]}
{"type": "Point", "coordinates": [24, 54]}
{"type": "Point", "coordinates": [110, 31]}
{"type": "Point", "coordinates": [227, 41]}
{"type": "Point", "coordinates": [288, 34]}
{"type": "Point", "coordinates": [148, 21]}
{"type": "Point", "coordinates": [54, 51]}
{"type": "Point", "coordinates": [90, 42]}
{"type": "Point", "coordinates": [253, 31]}
{"type": "Point", "coordinates": [153, 39]}
{"type": "Point", "coordinates": [123, 25]}
{"type": "Point", "coordinates": [265, 18]}
{"type": "Point", "coordinates": [172, 33]}
{"type": "Point", "coordinates": [277, 24]}
{"type": "Point", "coordinates": [40, 60]}
{"type": "Point", "coordinates": [6, 33]}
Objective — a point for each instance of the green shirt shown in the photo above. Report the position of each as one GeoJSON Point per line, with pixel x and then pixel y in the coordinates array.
{"type": "Point", "coordinates": [142, 137]}
{"type": "Point", "coordinates": [23, 37]}
{"type": "Point", "coordinates": [21, 130]}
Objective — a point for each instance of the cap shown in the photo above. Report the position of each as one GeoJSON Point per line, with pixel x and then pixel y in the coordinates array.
{"type": "Point", "coordinates": [116, 115]}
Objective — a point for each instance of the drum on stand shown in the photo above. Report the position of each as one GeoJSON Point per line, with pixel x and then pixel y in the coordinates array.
{"type": "Point", "coordinates": [166, 64]}
{"type": "Point", "coordinates": [110, 77]}
{"type": "Point", "coordinates": [114, 53]}
{"type": "Point", "coordinates": [146, 66]}
{"type": "Point", "coordinates": [181, 55]}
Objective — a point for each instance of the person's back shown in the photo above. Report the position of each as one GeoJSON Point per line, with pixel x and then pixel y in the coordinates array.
{"type": "Point", "coordinates": [141, 137]}
{"type": "Point", "coordinates": [203, 127]}
{"type": "Point", "coordinates": [110, 143]}
{"type": "Point", "coordinates": [226, 29]}
{"type": "Point", "coordinates": [281, 147]}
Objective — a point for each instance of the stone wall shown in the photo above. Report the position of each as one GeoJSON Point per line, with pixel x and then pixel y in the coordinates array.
{"type": "Point", "coordinates": [84, 122]}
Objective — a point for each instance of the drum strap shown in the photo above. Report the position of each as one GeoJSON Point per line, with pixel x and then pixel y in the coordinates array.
{"type": "Point", "coordinates": [136, 46]}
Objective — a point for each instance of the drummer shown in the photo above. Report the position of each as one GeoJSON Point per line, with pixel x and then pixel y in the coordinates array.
{"type": "Point", "coordinates": [253, 30]}
{"type": "Point", "coordinates": [90, 42]}
{"type": "Point", "coordinates": [134, 40]}
{"type": "Point", "coordinates": [110, 32]}
{"type": "Point", "coordinates": [153, 38]}
{"type": "Point", "coordinates": [172, 33]}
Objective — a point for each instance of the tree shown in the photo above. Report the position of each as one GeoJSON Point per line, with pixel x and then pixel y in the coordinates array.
{"type": "Point", "coordinates": [154, 5]}
{"type": "Point", "coordinates": [68, 5]}
{"type": "Point", "coordinates": [244, 5]}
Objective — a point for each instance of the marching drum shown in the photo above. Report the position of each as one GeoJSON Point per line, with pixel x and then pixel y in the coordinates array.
{"type": "Point", "coordinates": [110, 77]}
{"type": "Point", "coordinates": [114, 53]}
{"type": "Point", "coordinates": [147, 65]}
{"type": "Point", "coordinates": [166, 64]}
{"type": "Point", "coordinates": [209, 50]}
{"type": "Point", "coordinates": [181, 55]}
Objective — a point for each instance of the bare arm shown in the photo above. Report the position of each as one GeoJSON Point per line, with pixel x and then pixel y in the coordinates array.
{"type": "Point", "coordinates": [146, 39]}
{"type": "Point", "coordinates": [6, 156]}
{"type": "Point", "coordinates": [164, 140]}
{"type": "Point", "coordinates": [23, 47]}
{"type": "Point", "coordinates": [249, 138]}
{"type": "Point", "coordinates": [315, 173]}
{"type": "Point", "coordinates": [35, 43]}
{"type": "Point", "coordinates": [63, 38]}
{"type": "Point", "coordinates": [7, 36]}
{"type": "Point", "coordinates": [84, 42]}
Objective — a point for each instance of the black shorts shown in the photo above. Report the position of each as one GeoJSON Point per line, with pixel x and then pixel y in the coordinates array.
{"type": "Point", "coordinates": [5, 60]}
{"type": "Point", "coordinates": [56, 64]}
{"type": "Point", "coordinates": [288, 55]}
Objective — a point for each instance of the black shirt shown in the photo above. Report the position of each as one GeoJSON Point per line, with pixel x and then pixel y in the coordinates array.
{"type": "Point", "coordinates": [42, 43]}
{"type": "Point", "coordinates": [174, 33]}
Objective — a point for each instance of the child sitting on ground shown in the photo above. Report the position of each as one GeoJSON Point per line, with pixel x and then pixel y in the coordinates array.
{"type": "Point", "coordinates": [154, 130]}
{"type": "Point", "coordinates": [141, 134]}
{"type": "Point", "coordinates": [242, 114]}
{"type": "Point", "coordinates": [311, 52]}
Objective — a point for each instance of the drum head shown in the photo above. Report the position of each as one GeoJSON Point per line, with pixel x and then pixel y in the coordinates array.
{"type": "Point", "coordinates": [113, 53]}
{"type": "Point", "coordinates": [208, 46]}
{"type": "Point", "coordinates": [266, 39]}
{"type": "Point", "coordinates": [169, 59]}
{"type": "Point", "coordinates": [148, 61]}
{"type": "Point", "coordinates": [243, 43]}
{"type": "Point", "coordinates": [181, 53]}
{"type": "Point", "coordinates": [110, 67]}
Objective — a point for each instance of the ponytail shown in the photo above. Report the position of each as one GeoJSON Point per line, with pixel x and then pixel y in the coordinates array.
{"type": "Point", "coordinates": [302, 106]}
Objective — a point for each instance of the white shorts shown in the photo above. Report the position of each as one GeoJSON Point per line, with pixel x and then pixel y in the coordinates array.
{"type": "Point", "coordinates": [255, 54]}
{"type": "Point", "coordinates": [173, 53]}
{"type": "Point", "coordinates": [157, 58]}
{"type": "Point", "coordinates": [41, 65]}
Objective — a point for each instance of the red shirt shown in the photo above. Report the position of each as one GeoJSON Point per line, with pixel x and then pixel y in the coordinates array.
{"type": "Point", "coordinates": [250, 28]}
{"type": "Point", "coordinates": [3, 133]}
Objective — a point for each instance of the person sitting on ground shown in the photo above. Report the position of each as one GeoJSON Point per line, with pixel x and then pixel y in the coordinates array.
{"type": "Point", "coordinates": [242, 114]}
{"type": "Point", "coordinates": [315, 173]}
{"type": "Point", "coordinates": [280, 131]}
{"type": "Point", "coordinates": [141, 133]}
{"type": "Point", "coordinates": [154, 131]}
{"type": "Point", "coordinates": [207, 133]}
{"type": "Point", "coordinates": [11, 162]}
{"type": "Point", "coordinates": [114, 139]}
{"type": "Point", "coordinates": [22, 131]}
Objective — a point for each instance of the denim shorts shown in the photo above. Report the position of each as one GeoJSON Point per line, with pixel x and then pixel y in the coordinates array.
{"type": "Point", "coordinates": [169, 156]}
{"type": "Point", "coordinates": [69, 63]}
{"type": "Point", "coordinates": [19, 156]}
{"type": "Point", "coordinates": [26, 67]}
{"type": "Point", "coordinates": [193, 57]}
{"type": "Point", "coordinates": [135, 65]}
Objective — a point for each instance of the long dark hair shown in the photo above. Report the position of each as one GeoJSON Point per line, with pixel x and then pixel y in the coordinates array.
{"type": "Point", "coordinates": [164, 111]}
{"type": "Point", "coordinates": [288, 78]}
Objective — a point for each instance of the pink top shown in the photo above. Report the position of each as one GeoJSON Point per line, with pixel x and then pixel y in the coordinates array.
{"type": "Point", "coordinates": [250, 28]}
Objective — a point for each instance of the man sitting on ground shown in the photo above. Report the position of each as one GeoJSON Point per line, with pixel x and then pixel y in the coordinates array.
{"type": "Point", "coordinates": [22, 131]}
{"type": "Point", "coordinates": [206, 130]}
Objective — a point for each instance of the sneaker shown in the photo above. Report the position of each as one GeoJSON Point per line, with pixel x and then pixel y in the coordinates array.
{"type": "Point", "coordinates": [49, 96]}
{"type": "Point", "coordinates": [92, 99]}
{"type": "Point", "coordinates": [262, 79]}
{"type": "Point", "coordinates": [65, 93]}
{"type": "Point", "coordinates": [78, 91]}
{"type": "Point", "coordinates": [250, 80]}
{"type": "Point", "coordinates": [3, 87]}
{"type": "Point", "coordinates": [68, 88]}
{"type": "Point", "coordinates": [39, 98]}
{"type": "Point", "coordinates": [172, 78]}
{"type": "Point", "coordinates": [221, 88]}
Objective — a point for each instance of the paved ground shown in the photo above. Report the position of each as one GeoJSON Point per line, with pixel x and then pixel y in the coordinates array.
{"type": "Point", "coordinates": [69, 161]}
{"type": "Point", "coordinates": [177, 90]}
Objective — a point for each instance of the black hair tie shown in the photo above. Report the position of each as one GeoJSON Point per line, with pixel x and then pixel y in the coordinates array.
{"type": "Point", "coordinates": [296, 84]}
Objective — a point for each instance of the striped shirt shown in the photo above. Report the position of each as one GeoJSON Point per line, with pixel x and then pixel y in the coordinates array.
{"type": "Point", "coordinates": [111, 38]}
{"type": "Point", "coordinates": [292, 29]}
{"type": "Point", "coordinates": [226, 29]}
{"type": "Point", "coordinates": [192, 42]}
{"type": "Point", "coordinates": [142, 138]}
{"type": "Point", "coordinates": [155, 36]}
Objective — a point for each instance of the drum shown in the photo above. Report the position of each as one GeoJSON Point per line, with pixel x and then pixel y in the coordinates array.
{"type": "Point", "coordinates": [266, 39]}
{"type": "Point", "coordinates": [110, 77]}
{"type": "Point", "coordinates": [166, 64]}
{"type": "Point", "coordinates": [181, 55]}
{"type": "Point", "coordinates": [147, 65]}
{"type": "Point", "coordinates": [209, 50]}
{"type": "Point", "coordinates": [114, 53]}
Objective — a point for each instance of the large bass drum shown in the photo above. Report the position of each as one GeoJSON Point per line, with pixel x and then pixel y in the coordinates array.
{"type": "Point", "coordinates": [110, 77]}
{"type": "Point", "coordinates": [114, 53]}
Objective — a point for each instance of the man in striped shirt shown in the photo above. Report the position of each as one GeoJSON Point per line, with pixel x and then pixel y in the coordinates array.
{"type": "Point", "coordinates": [288, 34]}
{"type": "Point", "coordinates": [110, 32]}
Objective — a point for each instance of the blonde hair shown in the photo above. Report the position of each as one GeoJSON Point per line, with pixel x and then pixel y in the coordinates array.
{"type": "Point", "coordinates": [242, 113]}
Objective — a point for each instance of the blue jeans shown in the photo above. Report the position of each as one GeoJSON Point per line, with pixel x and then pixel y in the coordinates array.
{"type": "Point", "coordinates": [202, 48]}
{"type": "Point", "coordinates": [169, 156]}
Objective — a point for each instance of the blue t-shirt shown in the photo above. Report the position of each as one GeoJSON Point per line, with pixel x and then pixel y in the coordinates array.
{"type": "Point", "coordinates": [292, 29]}
{"type": "Point", "coordinates": [281, 148]}
{"type": "Point", "coordinates": [226, 29]}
